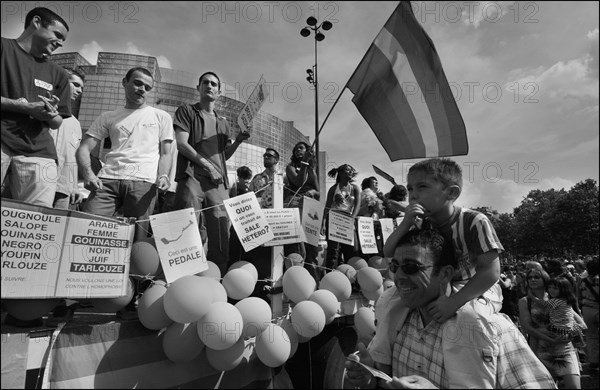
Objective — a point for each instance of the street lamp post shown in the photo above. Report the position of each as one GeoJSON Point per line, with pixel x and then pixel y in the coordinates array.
{"type": "Point", "coordinates": [313, 24]}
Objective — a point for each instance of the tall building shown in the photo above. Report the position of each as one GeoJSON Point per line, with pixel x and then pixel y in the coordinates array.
{"type": "Point", "coordinates": [104, 92]}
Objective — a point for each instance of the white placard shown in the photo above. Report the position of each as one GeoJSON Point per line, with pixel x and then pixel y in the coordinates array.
{"type": "Point", "coordinates": [312, 217]}
{"type": "Point", "coordinates": [178, 243]}
{"type": "Point", "coordinates": [58, 253]}
{"type": "Point", "coordinates": [341, 227]}
{"type": "Point", "coordinates": [253, 104]}
{"type": "Point", "coordinates": [286, 226]}
{"type": "Point", "coordinates": [248, 220]}
{"type": "Point", "coordinates": [366, 235]}
{"type": "Point", "coordinates": [387, 227]}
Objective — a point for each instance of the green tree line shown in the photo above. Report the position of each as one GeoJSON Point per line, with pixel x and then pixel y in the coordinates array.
{"type": "Point", "coordinates": [555, 223]}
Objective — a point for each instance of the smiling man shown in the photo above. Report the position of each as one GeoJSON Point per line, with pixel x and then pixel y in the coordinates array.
{"type": "Point", "coordinates": [140, 158]}
{"type": "Point", "coordinates": [204, 147]}
{"type": "Point", "coordinates": [420, 352]}
{"type": "Point", "coordinates": [35, 98]}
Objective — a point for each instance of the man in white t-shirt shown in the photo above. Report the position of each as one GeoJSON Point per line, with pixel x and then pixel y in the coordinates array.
{"type": "Point", "coordinates": [140, 158]}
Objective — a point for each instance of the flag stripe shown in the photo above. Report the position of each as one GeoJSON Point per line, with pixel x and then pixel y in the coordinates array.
{"type": "Point", "coordinates": [375, 101]}
{"type": "Point", "coordinates": [427, 66]}
{"type": "Point", "coordinates": [401, 90]}
{"type": "Point", "coordinates": [401, 68]}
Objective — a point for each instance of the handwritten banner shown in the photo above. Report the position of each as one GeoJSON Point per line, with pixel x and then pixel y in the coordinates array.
{"type": "Point", "coordinates": [58, 253]}
{"type": "Point", "coordinates": [248, 220]}
{"type": "Point", "coordinates": [366, 235]}
{"type": "Point", "coordinates": [253, 105]}
{"type": "Point", "coordinates": [312, 217]}
{"type": "Point", "coordinates": [180, 246]}
{"type": "Point", "coordinates": [286, 226]}
{"type": "Point", "coordinates": [341, 227]}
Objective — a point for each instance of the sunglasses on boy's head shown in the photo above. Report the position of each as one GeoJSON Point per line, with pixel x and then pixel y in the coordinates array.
{"type": "Point", "coordinates": [408, 268]}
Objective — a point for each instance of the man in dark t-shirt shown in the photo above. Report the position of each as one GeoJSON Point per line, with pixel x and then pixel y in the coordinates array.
{"type": "Point", "coordinates": [204, 147]}
{"type": "Point", "coordinates": [35, 97]}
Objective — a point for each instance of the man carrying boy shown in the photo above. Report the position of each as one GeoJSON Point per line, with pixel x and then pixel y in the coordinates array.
{"type": "Point", "coordinates": [420, 352]}
{"type": "Point", "coordinates": [434, 185]}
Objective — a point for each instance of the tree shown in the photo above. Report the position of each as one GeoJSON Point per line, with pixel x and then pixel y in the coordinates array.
{"type": "Point", "coordinates": [574, 222]}
{"type": "Point", "coordinates": [533, 234]}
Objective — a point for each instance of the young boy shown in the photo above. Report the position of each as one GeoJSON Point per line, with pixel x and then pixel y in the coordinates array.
{"type": "Point", "coordinates": [434, 185]}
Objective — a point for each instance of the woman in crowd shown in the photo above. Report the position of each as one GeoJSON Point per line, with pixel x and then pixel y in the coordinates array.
{"type": "Point", "coordinates": [300, 177]}
{"type": "Point", "coordinates": [343, 197]}
{"type": "Point", "coordinates": [558, 356]}
{"type": "Point", "coordinates": [589, 306]}
{"type": "Point", "coordinates": [300, 181]}
{"type": "Point", "coordinates": [371, 203]}
{"type": "Point", "coordinates": [395, 202]}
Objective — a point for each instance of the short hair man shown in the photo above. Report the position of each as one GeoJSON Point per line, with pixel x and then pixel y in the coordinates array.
{"type": "Point", "coordinates": [260, 257]}
{"type": "Point", "coordinates": [68, 139]}
{"type": "Point", "coordinates": [260, 182]}
{"type": "Point", "coordinates": [204, 147]}
{"type": "Point", "coordinates": [139, 134]}
{"type": "Point", "coordinates": [420, 352]}
{"type": "Point", "coordinates": [35, 97]}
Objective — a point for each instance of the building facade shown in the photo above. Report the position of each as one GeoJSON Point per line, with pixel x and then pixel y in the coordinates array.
{"type": "Point", "coordinates": [104, 92]}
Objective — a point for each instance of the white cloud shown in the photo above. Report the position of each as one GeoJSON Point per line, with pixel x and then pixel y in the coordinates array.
{"type": "Point", "coordinates": [485, 11]}
{"type": "Point", "coordinates": [561, 82]}
{"type": "Point", "coordinates": [565, 80]}
{"type": "Point", "coordinates": [90, 51]}
{"type": "Point", "coordinates": [593, 42]}
{"type": "Point", "coordinates": [504, 195]}
{"type": "Point", "coordinates": [163, 61]}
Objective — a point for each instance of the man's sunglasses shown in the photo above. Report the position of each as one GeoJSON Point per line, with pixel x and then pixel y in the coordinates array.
{"type": "Point", "coordinates": [269, 155]}
{"type": "Point", "coordinates": [408, 268]}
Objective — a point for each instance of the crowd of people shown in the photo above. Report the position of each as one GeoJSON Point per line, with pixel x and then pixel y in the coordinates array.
{"type": "Point", "coordinates": [445, 259]}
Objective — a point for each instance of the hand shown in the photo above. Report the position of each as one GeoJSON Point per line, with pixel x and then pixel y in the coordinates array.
{"type": "Point", "coordinates": [357, 374]}
{"type": "Point", "coordinates": [242, 136]}
{"type": "Point", "coordinates": [442, 309]}
{"type": "Point", "coordinates": [308, 156]}
{"type": "Point", "coordinates": [413, 212]}
{"type": "Point", "coordinates": [215, 176]}
{"type": "Point", "coordinates": [412, 382]}
{"type": "Point", "coordinates": [163, 183]}
{"type": "Point", "coordinates": [42, 111]}
{"type": "Point", "coordinates": [93, 183]}
{"type": "Point", "coordinates": [51, 102]}
{"type": "Point", "coordinates": [76, 197]}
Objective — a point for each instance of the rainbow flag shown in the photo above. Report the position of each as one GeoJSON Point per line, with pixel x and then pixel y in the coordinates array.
{"type": "Point", "coordinates": [402, 92]}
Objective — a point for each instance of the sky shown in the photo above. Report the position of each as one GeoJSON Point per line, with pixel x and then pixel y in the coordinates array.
{"type": "Point", "coordinates": [524, 75]}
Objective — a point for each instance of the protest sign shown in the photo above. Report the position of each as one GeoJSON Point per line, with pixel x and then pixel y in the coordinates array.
{"type": "Point", "coordinates": [366, 235]}
{"type": "Point", "coordinates": [253, 105]}
{"type": "Point", "coordinates": [387, 227]}
{"type": "Point", "coordinates": [59, 253]}
{"type": "Point", "coordinates": [312, 216]}
{"type": "Point", "coordinates": [285, 225]}
{"type": "Point", "coordinates": [179, 247]}
{"type": "Point", "coordinates": [341, 227]}
{"type": "Point", "coordinates": [248, 220]}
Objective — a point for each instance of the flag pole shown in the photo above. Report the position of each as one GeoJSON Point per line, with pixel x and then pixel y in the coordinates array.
{"type": "Point", "coordinates": [327, 117]}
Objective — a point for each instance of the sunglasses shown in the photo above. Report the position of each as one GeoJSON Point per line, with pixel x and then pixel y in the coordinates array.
{"type": "Point", "coordinates": [408, 268]}
{"type": "Point", "coordinates": [269, 155]}
{"type": "Point", "coordinates": [534, 277]}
